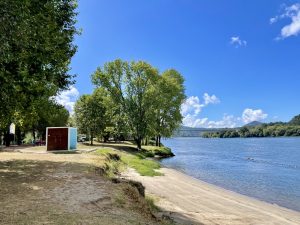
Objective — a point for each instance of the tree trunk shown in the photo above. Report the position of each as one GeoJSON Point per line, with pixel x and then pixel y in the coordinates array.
{"type": "Point", "coordinates": [33, 134]}
{"type": "Point", "coordinates": [159, 139]}
{"type": "Point", "coordinates": [7, 137]}
{"type": "Point", "coordinates": [92, 138]}
{"type": "Point", "coordinates": [1, 140]}
{"type": "Point", "coordinates": [18, 134]}
{"type": "Point", "coordinates": [139, 143]}
{"type": "Point", "coordinates": [156, 141]}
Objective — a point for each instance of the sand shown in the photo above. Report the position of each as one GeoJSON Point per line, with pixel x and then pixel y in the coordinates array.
{"type": "Point", "coordinates": [191, 201]}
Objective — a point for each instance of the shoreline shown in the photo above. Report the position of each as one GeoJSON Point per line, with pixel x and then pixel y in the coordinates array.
{"type": "Point", "coordinates": [192, 201]}
{"type": "Point", "coordinates": [226, 189]}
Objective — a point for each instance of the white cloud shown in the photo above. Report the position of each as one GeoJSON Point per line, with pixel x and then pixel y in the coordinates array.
{"type": "Point", "coordinates": [293, 28]}
{"type": "Point", "coordinates": [237, 42]}
{"type": "Point", "coordinates": [193, 121]}
{"type": "Point", "coordinates": [68, 98]}
{"type": "Point", "coordinates": [273, 20]}
{"type": "Point", "coordinates": [193, 106]}
{"type": "Point", "coordinates": [250, 115]}
{"type": "Point", "coordinates": [228, 121]}
{"type": "Point", "coordinates": [210, 99]}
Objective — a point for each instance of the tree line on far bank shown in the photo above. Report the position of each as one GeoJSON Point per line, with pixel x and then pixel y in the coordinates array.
{"type": "Point", "coordinates": [278, 129]}
{"type": "Point", "coordinates": [131, 100]}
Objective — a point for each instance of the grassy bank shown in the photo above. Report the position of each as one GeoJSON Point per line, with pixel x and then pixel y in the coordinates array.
{"type": "Point", "coordinates": [119, 160]}
{"type": "Point", "coordinates": [123, 155]}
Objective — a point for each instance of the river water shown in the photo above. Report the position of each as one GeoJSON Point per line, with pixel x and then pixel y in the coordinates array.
{"type": "Point", "coordinates": [264, 168]}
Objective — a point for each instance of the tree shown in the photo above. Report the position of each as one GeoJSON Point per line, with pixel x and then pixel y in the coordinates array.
{"type": "Point", "coordinates": [131, 87]}
{"type": "Point", "coordinates": [71, 121]}
{"type": "Point", "coordinates": [142, 104]}
{"type": "Point", "coordinates": [170, 92]}
{"type": "Point", "coordinates": [90, 113]}
{"type": "Point", "coordinates": [117, 124]}
{"type": "Point", "coordinates": [51, 115]}
{"type": "Point", "coordinates": [42, 113]}
{"type": "Point", "coordinates": [36, 48]}
{"type": "Point", "coordinates": [244, 132]}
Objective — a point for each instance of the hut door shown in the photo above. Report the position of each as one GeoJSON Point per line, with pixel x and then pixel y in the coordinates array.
{"type": "Point", "coordinates": [57, 139]}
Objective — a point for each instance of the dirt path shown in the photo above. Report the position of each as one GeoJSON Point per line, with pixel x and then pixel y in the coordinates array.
{"type": "Point", "coordinates": [64, 189]}
{"type": "Point", "coordinates": [192, 200]}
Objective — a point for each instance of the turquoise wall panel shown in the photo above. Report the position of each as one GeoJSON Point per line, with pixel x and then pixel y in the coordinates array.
{"type": "Point", "coordinates": [73, 138]}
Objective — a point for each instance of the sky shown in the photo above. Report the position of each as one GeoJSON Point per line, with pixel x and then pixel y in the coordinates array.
{"type": "Point", "coordinates": [240, 59]}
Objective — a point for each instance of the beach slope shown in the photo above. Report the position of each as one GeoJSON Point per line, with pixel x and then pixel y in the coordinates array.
{"type": "Point", "coordinates": [191, 201]}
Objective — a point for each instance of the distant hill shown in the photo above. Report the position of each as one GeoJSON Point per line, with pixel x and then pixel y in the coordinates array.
{"type": "Point", "coordinates": [295, 120]}
{"type": "Point", "coordinates": [253, 124]}
{"type": "Point", "coordinates": [184, 131]}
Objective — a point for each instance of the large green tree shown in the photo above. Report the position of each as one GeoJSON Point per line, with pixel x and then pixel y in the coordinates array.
{"type": "Point", "coordinates": [132, 88]}
{"type": "Point", "coordinates": [36, 39]}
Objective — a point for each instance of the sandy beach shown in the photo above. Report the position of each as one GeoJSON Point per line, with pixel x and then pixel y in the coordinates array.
{"type": "Point", "coordinates": [191, 201]}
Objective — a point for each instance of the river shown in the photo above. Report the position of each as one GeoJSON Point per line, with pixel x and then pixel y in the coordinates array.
{"type": "Point", "coordinates": [264, 168]}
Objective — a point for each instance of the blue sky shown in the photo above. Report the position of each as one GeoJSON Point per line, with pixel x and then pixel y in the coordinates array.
{"type": "Point", "coordinates": [240, 59]}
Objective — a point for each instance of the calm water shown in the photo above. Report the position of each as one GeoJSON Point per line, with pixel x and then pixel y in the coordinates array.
{"type": "Point", "coordinates": [264, 168]}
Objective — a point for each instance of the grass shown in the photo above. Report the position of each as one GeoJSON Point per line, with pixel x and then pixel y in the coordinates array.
{"type": "Point", "coordinates": [144, 167]}
{"type": "Point", "coordinates": [153, 151]}
{"type": "Point", "coordinates": [151, 203]}
{"type": "Point", "coordinates": [137, 161]}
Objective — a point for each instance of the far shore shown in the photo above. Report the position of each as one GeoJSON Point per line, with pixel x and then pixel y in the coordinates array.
{"type": "Point", "coordinates": [188, 199]}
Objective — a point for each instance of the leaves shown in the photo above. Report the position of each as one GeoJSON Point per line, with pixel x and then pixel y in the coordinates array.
{"type": "Point", "coordinates": [143, 102]}
{"type": "Point", "coordinates": [36, 48]}
{"type": "Point", "coordinates": [90, 113]}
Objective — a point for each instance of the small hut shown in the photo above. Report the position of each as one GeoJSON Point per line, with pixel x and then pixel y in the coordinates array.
{"type": "Point", "coordinates": [61, 138]}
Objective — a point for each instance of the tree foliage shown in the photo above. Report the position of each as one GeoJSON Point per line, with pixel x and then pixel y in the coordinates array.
{"type": "Point", "coordinates": [41, 113]}
{"type": "Point", "coordinates": [146, 103]}
{"type": "Point", "coordinates": [170, 92]}
{"type": "Point", "coordinates": [90, 113]}
{"type": "Point", "coordinates": [264, 130]}
{"type": "Point", "coordinates": [36, 48]}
